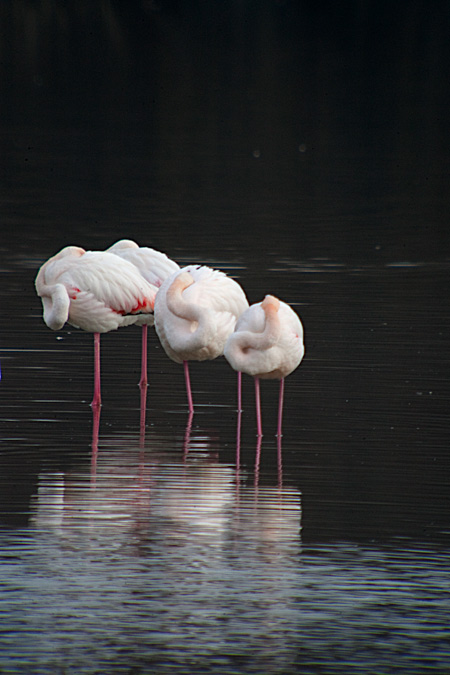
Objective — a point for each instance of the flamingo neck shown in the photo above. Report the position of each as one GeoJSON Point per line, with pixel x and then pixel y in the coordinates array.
{"type": "Point", "coordinates": [56, 305]}
{"type": "Point", "coordinates": [272, 328]}
{"type": "Point", "coordinates": [175, 300]}
{"type": "Point", "coordinates": [54, 296]}
{"type": "Point", "coordinates": [199, 328]}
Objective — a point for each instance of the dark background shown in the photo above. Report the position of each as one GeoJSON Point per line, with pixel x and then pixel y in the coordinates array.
{"type": "Point", "coordinates": [319, 127]}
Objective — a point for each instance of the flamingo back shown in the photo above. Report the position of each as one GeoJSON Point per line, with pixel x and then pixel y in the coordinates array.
{"type": "Point", "coordinates": [154, 266]}
{"type": "Point", "coordinates": [214, 289]}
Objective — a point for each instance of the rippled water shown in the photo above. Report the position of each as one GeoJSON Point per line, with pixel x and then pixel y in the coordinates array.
{"type": "Point", "coordinates": [169, 544]}
{"type": "Point", "coordinates": [282, 146]}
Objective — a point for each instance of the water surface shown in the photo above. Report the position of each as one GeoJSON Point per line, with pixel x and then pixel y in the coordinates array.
{"type": "Point", "coordinates": [291, 149]}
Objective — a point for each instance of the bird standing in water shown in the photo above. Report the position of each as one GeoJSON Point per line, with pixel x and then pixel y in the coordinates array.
{"type": "Point", "coordinates": [196, 310]}
{"type": "Point", "coordinates": [155, 267]}
{"type": "Point", "coordinates": [95, 291]}
{"type": "Point", "coordinates": [267, 343]}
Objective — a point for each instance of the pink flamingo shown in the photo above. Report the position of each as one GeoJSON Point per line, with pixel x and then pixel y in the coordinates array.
{"type": "Point", "coordinates": [154, 266]}
{"type": "Point", "coordinates": [195, 312]}
{"type": "Point", "coordinates": [95, 291]}
{"type": "Point", "coordinates": [267, 343]}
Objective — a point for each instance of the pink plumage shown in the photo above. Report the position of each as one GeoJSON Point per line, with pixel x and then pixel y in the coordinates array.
{"type": "Point", "coordinates": [94, 291]}
{"type": "Point", "coordinates": [155, 267]}
{"type": "Point", "coordinates": [196, 310]}
{"type": "Point", "coordinates": [267, 343]}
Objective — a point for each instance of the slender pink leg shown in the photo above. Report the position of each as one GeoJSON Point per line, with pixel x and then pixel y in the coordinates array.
{"type": "Point", "coordinates": [258, 408]}
{"type": "Point", "coordinates": [279, 463]}
{"type": "Point", "coordinates": [96, 410]}
{"type": "Point", "coordinates": [239, 391]}
{"type": "Point", "coordinates": [238, 439]}
{"type": "Point", "coordinates": [97, 400]}
{"type": "Point", "coordinates": [143, 415]}
{"type": "Point", "coordinates": [188, 386]}
{"type": "Point", "coordinates": [187, 435]}
{"type": "Point", "coordinates": [257, 462]}
{"type": "Point", "coordinates": [280, 407]}
{"type": "Point", "coordinates": [143, 382]}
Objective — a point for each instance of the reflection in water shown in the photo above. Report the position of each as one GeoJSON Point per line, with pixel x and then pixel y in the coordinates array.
{"type": "Point", "coordinates": [96, 415]}
{"type": "Point", "coordinates": [187, 435]}
{"type": "Point", "coordinates": [172, 548]}
{"type": "Point", "coordinates": [179, 564]}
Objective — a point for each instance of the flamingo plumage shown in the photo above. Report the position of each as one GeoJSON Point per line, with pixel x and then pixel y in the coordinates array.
{"type": "Point", "coordinates": [267, 343]}
{"type": "Point", "coordinates": [155, 267]}
{"type": "Point", "coordinates": [196, 310]}
{"type": "Point", "coordinates": [95, 291]}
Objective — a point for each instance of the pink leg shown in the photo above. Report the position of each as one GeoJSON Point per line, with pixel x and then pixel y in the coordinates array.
{"type": "Point", "coordinates": [143, 415]}
{"type": "Point", "coordinates": [97, 400]}
{"type": "Point", "coordinates": [279, 463]}
{"type": "Point", "coordinates": [280, 407]}
{"type": "Point", "coordinates": [239, 391]}
{"type": "Point", "coordinates": [257, 462]}
{"type": "Point", "coordinates": [143, 382]}
{"type": "Point", "coordinates": [95, 430]}
{"type": "Point", "coordinates": [258, 408]}
{"type": "Point", "coordinates": [238, 438]}
{"type": "Point", "coordinates": [188, 386]}
{"type": "Point", "coordinates": [187, 435]}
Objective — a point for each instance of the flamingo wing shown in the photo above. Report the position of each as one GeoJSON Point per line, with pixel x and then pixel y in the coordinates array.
{"type": "Point", "coordinates": [114, 282]}
{"type": "Point", "coordinates": [106, 292]}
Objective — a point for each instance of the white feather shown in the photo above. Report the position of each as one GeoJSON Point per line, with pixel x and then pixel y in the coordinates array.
{"type": "Point", "coordinates": [207, 309]}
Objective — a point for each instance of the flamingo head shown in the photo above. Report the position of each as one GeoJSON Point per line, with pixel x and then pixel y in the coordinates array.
{"type": "Point", "coordinates": [270, 304]}
{"type": "Point", "coordinates": [182, 281]}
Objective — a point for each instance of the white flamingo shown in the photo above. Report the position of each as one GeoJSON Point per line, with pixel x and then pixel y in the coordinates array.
{"type": "Point", "coordinates": [95, 291]}
{"type": "Point", "coordinates": [154, 266]}
{"type": "Point", "coordinates": [267, 343]}
{"type": "Point", "coordinates": [195, 312]}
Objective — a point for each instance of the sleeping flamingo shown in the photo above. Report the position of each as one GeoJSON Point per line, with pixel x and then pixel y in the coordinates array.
{"type": "Point", "coordinates": [154, 266]}
{"type": "Point", "coordinates": [267, 343]}
{"type": "Point", "coordinates": [95, 291]}
{"type": "Point", "coordinates": [195, 311]}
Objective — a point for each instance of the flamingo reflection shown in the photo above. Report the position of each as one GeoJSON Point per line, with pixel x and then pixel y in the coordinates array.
{"type": "Point", "coordinates": [191, 500]}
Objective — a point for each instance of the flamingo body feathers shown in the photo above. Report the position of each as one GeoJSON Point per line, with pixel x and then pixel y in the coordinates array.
{"type": "Point", "coordinates": [267, 341]}
{"type": "Point", "coordinates": [154, 266]}
{"type": "Point", "coordinates": [195, 311]}
{"type": "Point", "coordinates": [93, 290]}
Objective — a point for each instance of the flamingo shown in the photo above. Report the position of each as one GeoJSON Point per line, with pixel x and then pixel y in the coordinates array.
{"type": "Point", "coordinates": [154, 266]}
{"type": "Point", "coordinates": [195, 312]}
{"type": "Point", "coordinates": [267, 343]}
{"type": "Point", "coordinates": [95, 291]}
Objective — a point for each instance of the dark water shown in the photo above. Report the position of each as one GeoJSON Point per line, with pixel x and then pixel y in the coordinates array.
{"type": "Point", "coordinates": [302, 148]}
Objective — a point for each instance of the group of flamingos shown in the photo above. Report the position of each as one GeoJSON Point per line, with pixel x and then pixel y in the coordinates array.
{"type": "Point", "coordinates": [199, 313]}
